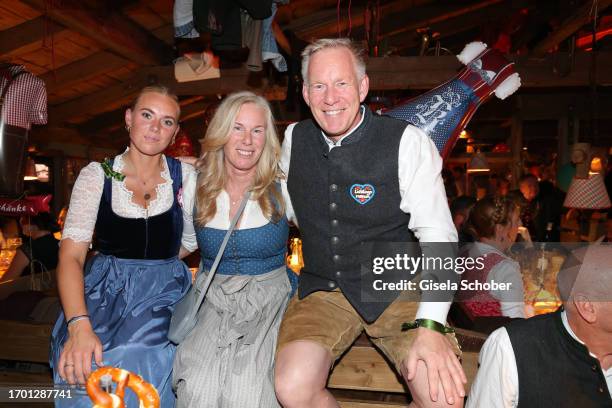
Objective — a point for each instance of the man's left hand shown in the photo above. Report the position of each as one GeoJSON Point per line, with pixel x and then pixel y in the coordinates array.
{"type": "Point", "coordinates": [436, 351]}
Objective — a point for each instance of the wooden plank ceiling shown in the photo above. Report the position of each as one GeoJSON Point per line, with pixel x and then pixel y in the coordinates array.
{"type": "Point", "coordinates": [94, 55]}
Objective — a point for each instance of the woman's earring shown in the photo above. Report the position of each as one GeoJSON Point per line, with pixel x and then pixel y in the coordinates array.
{"type": "Point", "coordinates": [128, 128]}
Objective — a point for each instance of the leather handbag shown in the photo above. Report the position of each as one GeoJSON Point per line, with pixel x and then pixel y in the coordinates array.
{"type": "Point", "coordinates": [185, 315]}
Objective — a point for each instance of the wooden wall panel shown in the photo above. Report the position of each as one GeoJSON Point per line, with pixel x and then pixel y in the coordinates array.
{"type": "Point", "coordinates": [81, 70]}
{"type": "Point", "coordinates": [53, 52]}
{"type": "Point", "coordinates": [162, 7]}
{"type": "Point", "coordinates": [155, 16]}
{"type": "Point", "coordinates": [85, 88]}
{"type": "Point", "coordinates": [146, 18]}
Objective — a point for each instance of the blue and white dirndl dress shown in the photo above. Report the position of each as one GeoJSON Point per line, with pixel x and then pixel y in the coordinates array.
{"type": "Point", "coordinates": [131, 287]}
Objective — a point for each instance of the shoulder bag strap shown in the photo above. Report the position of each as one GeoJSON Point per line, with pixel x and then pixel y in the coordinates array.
{"type": "Point", "coordinates": [213, 268]}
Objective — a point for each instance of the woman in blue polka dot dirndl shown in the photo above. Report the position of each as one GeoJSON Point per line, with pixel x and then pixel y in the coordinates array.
{"type": "Point", "coordinates": [227, 359]}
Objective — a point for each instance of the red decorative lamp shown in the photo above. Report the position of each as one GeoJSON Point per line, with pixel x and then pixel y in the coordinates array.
{"type": "Point", "coordinates": [182, 146]}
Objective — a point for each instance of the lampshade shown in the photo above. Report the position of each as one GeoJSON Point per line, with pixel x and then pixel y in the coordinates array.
{"type": "Point", "coordinates": [30, 170]}
{"type": "Point", "coordinates": [478, 164]}
{"type": "Point", "coordinates": [587, 193]}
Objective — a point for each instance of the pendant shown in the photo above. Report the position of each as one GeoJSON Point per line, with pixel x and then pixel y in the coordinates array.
{"type": "Point", "coordinates": [147, 196]}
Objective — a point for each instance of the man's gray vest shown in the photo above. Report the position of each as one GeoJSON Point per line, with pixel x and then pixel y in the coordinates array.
{"type": "Point", "coordinates": [343, 197]}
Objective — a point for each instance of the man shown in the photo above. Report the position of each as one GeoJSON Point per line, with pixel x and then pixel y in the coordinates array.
{"type": "Point", "coordinates": [355, 177]}
{"type": "Point", "coordinates": [561, 359]}
{"type": "Point", "coordinates": [542, 207]}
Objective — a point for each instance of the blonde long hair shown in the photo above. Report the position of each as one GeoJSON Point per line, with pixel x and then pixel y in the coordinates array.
{"type": "Point", "coordinates": [211, 164]}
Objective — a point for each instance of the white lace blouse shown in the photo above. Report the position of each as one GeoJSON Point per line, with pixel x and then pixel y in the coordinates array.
{"type": "Point", "coordinates": [87, 192]}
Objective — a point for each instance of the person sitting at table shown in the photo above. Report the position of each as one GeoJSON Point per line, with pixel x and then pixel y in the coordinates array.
{"type": "Point", "coordinates": [494, 223]}
{"type": "Point", "coordinates": [560, 359]}
{"type": "Point", "coordinates": [39, 248]}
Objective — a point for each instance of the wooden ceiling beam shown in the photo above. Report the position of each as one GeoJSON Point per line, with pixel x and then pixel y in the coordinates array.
{"type": "Point", "coordinates": [429, 72]}
{"type": "Point", "coordinates": [114, 31]}
{"type": "Point", "coordinates": [82, 70]}
{"type": "Point", "coordinates": [583, 15]}
{"type": "Point", "coordinates": [434, 15]}
{"type": "Point", "coordinates": [405, 36]}
{"type": "Point", "coordinates": [325, 23]}
{"type": "Point", "coordinates": [27, 36]}
{"type": "Point", "coordinates": [101, 100]}
{"type": "Point", "coordinates": [300, 8]}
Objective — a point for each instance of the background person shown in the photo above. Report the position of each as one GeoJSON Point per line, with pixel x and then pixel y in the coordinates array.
{"type": "Point", "coordinates": [494, 223]}
{"type": "Point", "coordinates": [38, 246]}
{"type": "Point", "coordinates": [560, 359]}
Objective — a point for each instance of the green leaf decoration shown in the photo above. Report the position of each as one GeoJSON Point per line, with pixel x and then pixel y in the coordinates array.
{"type": "Point", "coordinates": [109, 172]}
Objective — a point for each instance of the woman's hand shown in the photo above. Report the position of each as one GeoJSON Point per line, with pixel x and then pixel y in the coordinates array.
{"type": "Point", "coordinates": [75, 360]}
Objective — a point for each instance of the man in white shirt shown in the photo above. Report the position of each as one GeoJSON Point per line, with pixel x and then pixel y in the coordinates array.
{"type": "Point", "coordinates": [355, 177]}
{"type": "Point", "coordinates": [562, 359]}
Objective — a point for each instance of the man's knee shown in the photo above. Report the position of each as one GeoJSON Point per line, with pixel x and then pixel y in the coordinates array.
{"type": "Point", "coordinates": [301, 372]}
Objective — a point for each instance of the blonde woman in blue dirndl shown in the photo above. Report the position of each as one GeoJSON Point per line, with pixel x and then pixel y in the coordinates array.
{"type": "Point", "coordinates": [117, 313]}
{"type": "Point", "coordinates": [228, 358]}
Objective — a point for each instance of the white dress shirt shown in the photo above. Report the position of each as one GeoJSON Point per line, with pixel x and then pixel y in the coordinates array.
{"type": "Point", "coordinates": [496, 384]}
{"type": "Point", "coordinates": [421, 190]}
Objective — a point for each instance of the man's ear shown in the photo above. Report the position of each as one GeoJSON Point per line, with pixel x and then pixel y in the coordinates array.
{"type": "Point", "coordinates": [585, 308]}
{"type": "Point", "coordinates": [364, 87]}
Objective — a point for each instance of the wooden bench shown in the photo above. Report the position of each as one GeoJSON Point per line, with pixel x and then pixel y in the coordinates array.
{"type": "Point", "coordinates": [24, 342]}
{"type": "Point", "coordinates": [365, 370]}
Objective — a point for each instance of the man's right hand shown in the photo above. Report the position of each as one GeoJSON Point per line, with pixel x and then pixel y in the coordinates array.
{"type": "Point", "coordinates": [75, 360]}
{"type": "Point", "coordinates": [443, 366]}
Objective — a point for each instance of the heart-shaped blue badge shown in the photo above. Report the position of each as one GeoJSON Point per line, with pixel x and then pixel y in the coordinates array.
{"type": "Point", "coordinates": [362, 193]}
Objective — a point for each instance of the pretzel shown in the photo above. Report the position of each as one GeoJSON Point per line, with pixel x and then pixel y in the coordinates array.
{"type": "Point", "coordinates": [147, 394]}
